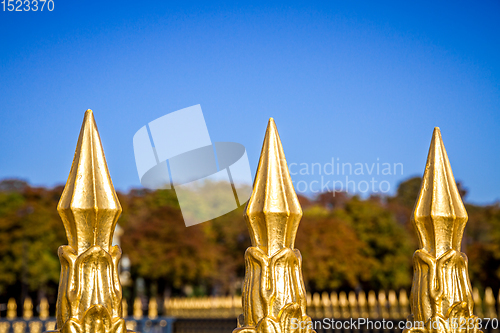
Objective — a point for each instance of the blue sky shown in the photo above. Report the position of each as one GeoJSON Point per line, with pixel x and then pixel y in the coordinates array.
{"type": "Point", "coordinates": [357, 81]}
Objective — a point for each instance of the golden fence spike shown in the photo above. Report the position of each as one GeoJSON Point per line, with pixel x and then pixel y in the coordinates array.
{"type": "Point", "coordinates": [4, 327]}
{"type": "Point", "coordinates": [50, 325]}
{"type": "Point", "coordinates": [131, 325]}
{"type": "Point", "coordinates": [478, 302]}
{"type": "Point", "coordinates": [334, 298]}
{"type": "Point", "coordinates": [11, 309]}
{"type": "Point", "coordinates": [185, 304]}
{"type": "Point", "coordinates": [363, 305]}
{"type": "Point", "coordinates": [441, 294]}
{"type": "Point", "coordinates": [19, 327]}
{"type": "Point", "coordinates": [218, 302]}
{"type": "Point", "coordinates": [273, 266]}
{"type": "Point", "coordinates": [236, 306]}
{"type": "Point", "coordinates": [90, 293]}
{"type": "Point", "coordinates": [404, 304]}
{"type": "Point", "coordinates": [393, 305]}
{"type": "Point", "coordinates": [192, 308]}
{"type": "Point", "coordinates": [27, 309]}
{"type": "Point", "coordinates": [208, 306]}
{"type": "Point", "coordinates": [172, 307]}
{"type": "Point", "coordinates": [382, 304]}
{"type": "Point", "coordinates": [344, 305]}
{"type": "Point", "coordinates": [166, 306]}
{"type": "Point", "coordinates": [180, 307]}
{"type": "Point", "coordinates": [153, 308]}
{"type": "Point", "coordinates": [124, 308]}
{"type": "Point", "coordinates": [192, 303]}
{"type": "Point", "coordinates": [353, 305]}
{"type": "Point", "coordinates": [221, 308]}
{"type": "Point", "coordinates": [35, 327]}
{"type": "Point", "coordinates": [372, 305]}
{"type": "Point", "coordinates": [44, 309]}
{"type": "Point", "coordinates": [489, 302]}
{"type": "Point", "coordinates": [238, 310]}
{"type": "Point", "coordinates": [137, 308]}
{"type": "Point", "coordinates": [213, 306]}
{"type": "Point", "coordinates": [205, 305]}
{"type": "Point", "coordinates": [326, 304]}
{"type": "Point", "coordinates": [316, 306]}
{"type": "Point", "coordinates": [227, 307]}
{"type": "Point", "coordinates": [198, 306]}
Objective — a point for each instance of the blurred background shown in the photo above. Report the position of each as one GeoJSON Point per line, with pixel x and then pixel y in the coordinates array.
{"type": "Point", "coordinates": [358, 82]}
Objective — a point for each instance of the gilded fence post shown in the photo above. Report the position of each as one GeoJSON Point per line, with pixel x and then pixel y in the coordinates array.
{"type": "Point", "coordinates": [153, 308]}
{"type": "Point", "coordinates": [11, 309]}
{"type": "Point", "coordinates": [372, 305]}
{"type": "Point", "coordinates": [137, 308]}
{"type": "Point", "coordinates": [44, 309]}
{"type": "Point", "coordinates": [441, 295]}
{"type": "Point", "coordinates": [90, 294]}
{"type": "Point", "coordinates": [403, 302]}
{"type": "Point", "coordinates": [363, 305]}
{"type": "Point", "coordinates": [334, 298]}
{"type": "Point", "coordinates": [394, 312]}
{"type": "Point", "coordinates": [274, 296]}
{"type": "Point", "coordinates": [489, 301]}
{"type": "Point", "coordinates": [27, 309]}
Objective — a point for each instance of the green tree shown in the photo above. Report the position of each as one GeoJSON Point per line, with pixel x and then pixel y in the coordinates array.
{"type": "Point", "coordinates": [387, 243]}
{"type": "Point", "coordinates": [333, 255]}
{"type": "Point", "coordinates": [30, 233]}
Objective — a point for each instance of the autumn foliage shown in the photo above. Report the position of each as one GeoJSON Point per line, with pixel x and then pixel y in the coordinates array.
{"type": "Point", "coordinates": [346, 243]}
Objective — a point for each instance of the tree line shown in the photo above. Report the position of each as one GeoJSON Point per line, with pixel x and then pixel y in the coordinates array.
{"type": "Point", "coordinates": [346, 243]}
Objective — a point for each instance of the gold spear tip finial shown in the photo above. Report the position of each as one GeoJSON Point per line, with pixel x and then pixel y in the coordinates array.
{"type": "Point", "coordinates": [273, 212]}
{"type": "Point", "coordinates": [89, 206]}
{"type": "Point", "coordinates": [439, 213]}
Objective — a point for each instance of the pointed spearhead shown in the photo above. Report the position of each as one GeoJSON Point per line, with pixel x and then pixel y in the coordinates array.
{"type": "Point", "coordinates": [89, 206]}
{"type": "Point", "coordinates": [439, 214]}
{"type": "Point", "coordinates": [273, 212]}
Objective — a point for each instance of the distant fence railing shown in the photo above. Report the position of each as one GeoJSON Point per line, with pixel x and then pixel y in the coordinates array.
{"type": "Point", "coordinates": [342, 305]}
{"type": "Point", "coordinates": [218, 314]}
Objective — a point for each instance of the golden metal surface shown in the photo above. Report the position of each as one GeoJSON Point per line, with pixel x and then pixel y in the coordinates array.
{"type": "Point", "coordinates": [153, 308]}
{"type": "Point", "coordinates": [124, 308]}
{"type": "Point", "coordinates": [137, 308]}
{"type": "Point", "coordinates": [11, 309]}
{"type": "Point", "coordinates": [19, 327]}
{"type": "Point", "coordinates": [441, 295]}
{"type": "Point", "coordinates": [4, 327]}
{"type": "Point", "coordinates": [273, 293]}
{"type": "Point", "coordinates": [44, 309]}
{"type": "Point", "coordinates": [35, 327]}
{"type": "Point", "coordinates": [90, 295]}
{"type": "Point", "coordinates": [27, 309]}
{"type": "Point", "coordinates": [324, 305]}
